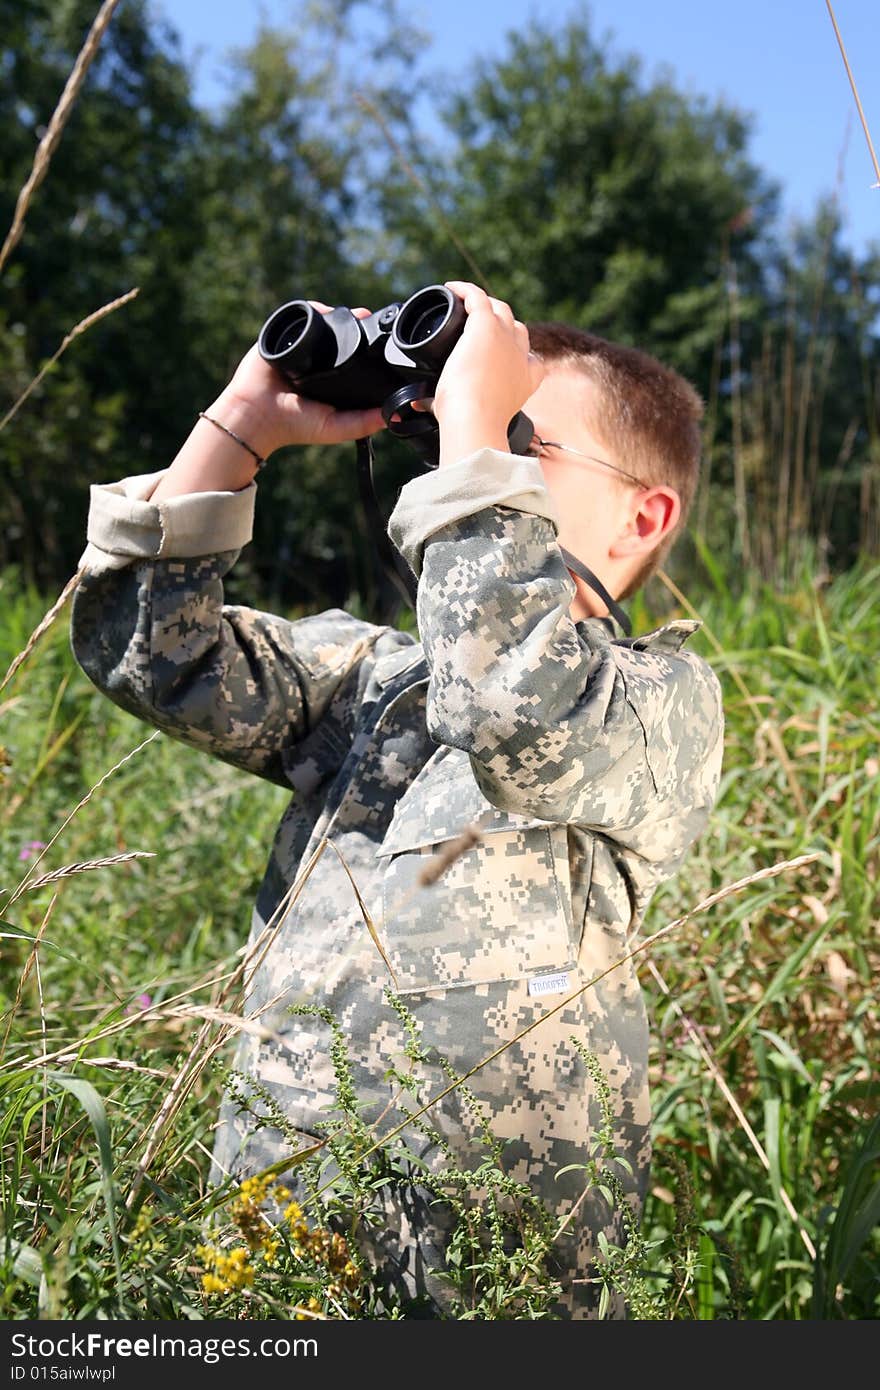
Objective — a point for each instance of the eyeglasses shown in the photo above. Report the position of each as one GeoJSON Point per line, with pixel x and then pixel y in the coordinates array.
{"type": "Point", "coordinates": [538, 445]}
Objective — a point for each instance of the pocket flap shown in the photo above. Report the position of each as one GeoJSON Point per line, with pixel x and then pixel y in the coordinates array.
{"type": "Point", "coordinates": [442, 802]}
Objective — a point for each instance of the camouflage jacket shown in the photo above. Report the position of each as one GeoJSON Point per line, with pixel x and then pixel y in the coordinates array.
{"type": "Point", "coordinates": [582, 766]}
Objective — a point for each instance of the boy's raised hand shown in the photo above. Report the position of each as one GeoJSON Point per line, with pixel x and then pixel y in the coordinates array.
{"type": "Point", "coordinates": [278, 416]}
{"type": "Point", "coordinates": [486, 379]}
{"type": "Point", "coordinates": [260, 408]}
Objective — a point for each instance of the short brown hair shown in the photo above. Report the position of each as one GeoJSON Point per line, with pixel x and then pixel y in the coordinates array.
{"type": "Point", "coordinates": [647, 415]}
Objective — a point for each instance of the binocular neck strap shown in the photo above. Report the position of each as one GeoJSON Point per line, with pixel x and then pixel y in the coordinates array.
{"type": "Point", "coordinates": [598, 587]}
{"type": "Point", "coordinates": [393, 563]}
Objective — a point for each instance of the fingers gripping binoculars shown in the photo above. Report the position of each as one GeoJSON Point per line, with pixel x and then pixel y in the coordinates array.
{"type": "Point", "coordinates": [390, 359]}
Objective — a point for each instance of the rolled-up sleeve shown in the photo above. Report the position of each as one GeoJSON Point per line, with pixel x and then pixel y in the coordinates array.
{"type": "Point", "coordinates": [150, 628]}
{"type": "Point", "coordinates": [124, 526]}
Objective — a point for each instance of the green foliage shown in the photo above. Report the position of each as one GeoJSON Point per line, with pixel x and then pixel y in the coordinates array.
{"type": "Point", "coordinates": [847, 1257]}
{"type": "Point", "coordinates": [216, 217]}
{"type": "Point", "coordinates": [499, 1235]}
{"type": "Point", "coordinates": [776, 980]}
{"type": "Point", "coordinates": [119, 209]}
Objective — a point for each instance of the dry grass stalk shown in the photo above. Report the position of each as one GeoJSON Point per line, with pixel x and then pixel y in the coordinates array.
{"type": "Point", "coordinates": [45, 622]}
{"type": "Point", "coordinates": [235, 1022]}
{"type": "Point", "coordinates": [420, 184]}
{"type": "Point", "coordinates": [44, 1034]}
{"type": "Point", "coordinates": [370, 925]}
{"type": "Point", "coordinates": [256, 953]}
{"type": "Point", "coordinates": [438, 864]}
{"type": "Point", "coordinates": [810, 397]}
{"type": "Point", "coordinates": [84, 865]}
{"type": "Point", "coordinates": [710, 428]}
{"type": "Point", "coordinates": [81, 327]}
{"type": "Point", "coordinates": [789, 372]}
{"type": "Point", "coordinates": [24, 886]}
{"type": "Point", "coordinates": [151, 1014]}
{"type": "Point", "coordinates": [855, 92]}
{"type": "Point", "coordinates": [715, 1072]}
{"type": "Point", "coordinates": [109, 1064]}
{"type": "Point", "coordinates": [739, 482]}
{"type": "Point", "coordinates": [204, 1048]}
{"type": "Point", "coordinates": [49, 142]}
{"type": "Point", "coordinates": [25, 974]}
{"type": "Point", "coordinates": [180, 1088]}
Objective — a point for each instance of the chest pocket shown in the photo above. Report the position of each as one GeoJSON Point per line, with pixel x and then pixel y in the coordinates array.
{"type": "Point", "coordinates": [500, 910]}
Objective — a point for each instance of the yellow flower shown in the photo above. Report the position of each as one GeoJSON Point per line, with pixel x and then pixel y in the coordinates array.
{"type": "Point", "coordinates": [313, 1306]}
{"type": "Point", "coordinates": [245, 1210]}
{"type": "Point", "coordinates": [293, 1216]}
{"type": "Point", "coordinates": [254, 1190]}
{"type": "Point", "coordinates": [226, 1269]}
{"type": "Point", "coordinates": [235, 1269]}
{"type": "Point", "coordinates": [142, 1224]}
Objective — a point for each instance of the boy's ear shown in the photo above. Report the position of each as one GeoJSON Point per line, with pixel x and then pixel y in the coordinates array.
{"type": "Point", "coordinates": [654, 514]}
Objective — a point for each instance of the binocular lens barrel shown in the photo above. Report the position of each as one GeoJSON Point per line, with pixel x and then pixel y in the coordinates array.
{"type": "Point", "coordinates": [431, 318]}
{"type": "Point", "coordinates": [296, 339]}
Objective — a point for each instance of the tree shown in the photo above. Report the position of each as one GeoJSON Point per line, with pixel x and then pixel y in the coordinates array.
{"type": "Point", "coordinates": [560, 179]}
{"type": "Point", "coordinates": [802, 383]}
{"type": "Point", "coordinates": [217, 217]}
{"type": "Point", "coordinates": [584, 195]}
{"type": "Point", "coordinates": [119, 208]}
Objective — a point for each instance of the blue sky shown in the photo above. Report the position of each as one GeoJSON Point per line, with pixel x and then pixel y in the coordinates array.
{"type": "Point", "coordinates": [778, 59]}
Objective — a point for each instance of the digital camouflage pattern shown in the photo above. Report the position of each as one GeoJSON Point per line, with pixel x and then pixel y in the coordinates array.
{"type": "Point", "coordinates": [586, 765]}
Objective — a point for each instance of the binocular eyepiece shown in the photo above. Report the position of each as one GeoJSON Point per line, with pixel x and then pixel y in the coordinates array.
{"type": "Point", "coordinates": [391, 358]}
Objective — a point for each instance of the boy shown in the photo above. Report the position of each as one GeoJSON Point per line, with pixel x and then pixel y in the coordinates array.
{"type": "Point", "coordinates": [585, 764]}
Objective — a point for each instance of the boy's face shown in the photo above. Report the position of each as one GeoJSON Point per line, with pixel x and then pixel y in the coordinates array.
{"type": "Point", "coordinates": [606, 521]}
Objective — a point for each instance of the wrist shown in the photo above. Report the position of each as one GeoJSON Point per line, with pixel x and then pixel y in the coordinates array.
{"type": "Point", "coordinates": [464, 434]}
{"type": "Point", "coordinates": [248, 419]}
{"type": "Point", "coordinates": [218, 455]}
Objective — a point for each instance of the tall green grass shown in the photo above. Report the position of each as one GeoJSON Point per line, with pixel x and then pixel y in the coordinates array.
{"type": "Point", "coordinates": [778, 983]}
{"type": "Point", "coordinates": [766, 1194]}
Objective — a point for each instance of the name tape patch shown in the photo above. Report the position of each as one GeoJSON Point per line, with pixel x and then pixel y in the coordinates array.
{"type": "Point", "coordinates": [550, 984]}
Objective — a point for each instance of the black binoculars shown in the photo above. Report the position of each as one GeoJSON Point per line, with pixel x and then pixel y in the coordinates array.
{"type": "Point", "coordinates": [391, 359]}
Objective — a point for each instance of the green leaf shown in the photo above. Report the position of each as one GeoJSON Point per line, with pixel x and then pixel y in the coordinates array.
{"type": "Point", "coordinates": [786, 1051]}
{"type": "Point", "coordinates": [93, 1105]}
{"type": "Point", "coordinates": [718, 998]}
{"type": "Point", "coordinates": [16, 933]}
{"type": "Point", "coordinates": [857, 1215]}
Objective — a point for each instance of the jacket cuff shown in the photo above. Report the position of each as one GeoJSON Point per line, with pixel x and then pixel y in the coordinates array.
{"type": "Point", "coordinates": [124, 526]}
{"type": "Point", "coordinates": [488, 478]}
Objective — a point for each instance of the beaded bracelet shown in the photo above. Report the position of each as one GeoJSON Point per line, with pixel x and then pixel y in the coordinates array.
{"type": "Point", "coordinates": [237, 437]}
